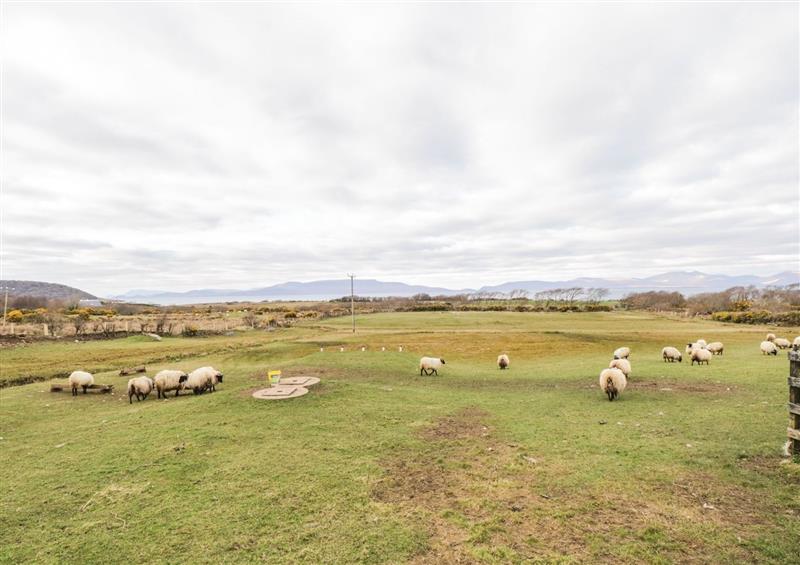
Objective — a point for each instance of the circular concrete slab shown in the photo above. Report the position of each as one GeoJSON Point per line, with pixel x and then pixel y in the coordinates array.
{"type": "Point", "coordinates": [299, 381]}
{"type": "Point", "coordinates": [280, 392]}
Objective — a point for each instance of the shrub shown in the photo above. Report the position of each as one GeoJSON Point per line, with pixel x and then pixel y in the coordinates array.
{"type": "Point", "coordinates": [189, 331]}
{"type": "Point", "coordinates": [15, 316]}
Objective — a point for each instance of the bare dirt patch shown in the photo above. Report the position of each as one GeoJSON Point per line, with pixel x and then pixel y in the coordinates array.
{"type": "Point", "coordinates": [484, 499]}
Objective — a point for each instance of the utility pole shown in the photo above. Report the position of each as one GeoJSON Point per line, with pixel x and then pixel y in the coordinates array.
{"type": "Point", "coordinates": [5, 306]}
{"type": "Point", "coordinates": [352, 302]}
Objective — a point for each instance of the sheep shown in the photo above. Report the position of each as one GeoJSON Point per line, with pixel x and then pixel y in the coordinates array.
{"type": "Point", "coordinates": [400, 349]}
{"type": "Point", "coordinates": [170, 380]}
{"type": "Point", "coordinates": [141, 387]}
{"type": "Point", "coordinates": [671, 354]}
{"type": "Point", "coordinates": [383, 348]}
{"type": "Point", "coordinates": [202, 379]}
{"type": "Point", "coordinates": [622, 353]}
{"type": "Point", "coordinates": [701, 356]}
{"type": "Point", "coordinates": [502, 361]}
{"type": "Point", "coordinates": [80, 379]}
{"type": "Point", "coordinates": [781, 343]}
{"type": "Point", "coordinates": [796, 343]}
{"type": "Point", "coordinates": [770, 337]}
{"type": "Point", "coordinates": [363, 348]}
{"type": "Point", "coordinates": [623, 365]}
{"type": "Point", "coordinates": [613, 382]}
{"type": "Point", "coordinates": [768, 348]}
{"type": "Point", "coordinates": [429, 365]}
{"type": "Point", "coordinates": [699, 344]}
{"type": "Point", "coordinates": [716, 348]}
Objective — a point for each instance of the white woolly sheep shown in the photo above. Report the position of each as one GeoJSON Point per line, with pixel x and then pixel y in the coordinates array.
{"type": "Point", "coordinates": [141, 387]}
{"type": "Point", "coordinates": [502, 361]}
{"type": "Point", "coordinates": [400, 349]}
{"type": "Point", "coordinates": [80, 379]}
{"type": "Point", "coordinates": [696, 345]}
{"type": "Point", "coordinates": [701, 356]}
{"type": "Point", "coordinates": [429, 365]}
{"type": "Point", "coordinates": [701, 343]}
{"type": "Point", "coordinates": [770, 337]}
{"type": "Point", "coordinates": [383, 348]}
{"type": "Point", "coordinates": [623, 365]}
{"type": "Point", "coordinates": [796, 342]}
{"type": "Point", "coordinates": [781, 343]}
{"type": "Point", "coordinates": [613, 382]}
{"type": "Point", "coordinates": [768, 348]}
{"type": "Point", "coordinates": [671, 354]}
{"type": "Point", "coordinates": [202, 379]}
{"type": "Point", "coordinates": [716, 348]}
{"type": "Point", "coordinates": [622, 353]}
{"type": "Point", "coordinates": [169, 380]}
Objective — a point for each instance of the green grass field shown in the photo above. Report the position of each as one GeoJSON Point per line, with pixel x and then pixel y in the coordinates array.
{"type": "Point", "coordinates": [379, 465]}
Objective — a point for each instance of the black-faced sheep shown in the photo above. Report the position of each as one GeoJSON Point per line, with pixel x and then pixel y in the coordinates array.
{"type": "Point", "coordinates": [622, 353]}
{"type": "Point", "coordinates": [613, 382]}
{"type": "Point", "coordinates": [768, 348]}
{"type": "Point", "coordinates": [782, 343]}
{"type": "Point", "coordinates": [623, 365]}
{"type": "Point", "coordinates": [140, 387]}
{"type": "Point", "coordinates": [502, 361]}
{"type": "Point", "coordinates": [169, 380]}
{"type": "Point", "coordinates": [80, 379]}
{"type": "Point", "coordinates": [700, 356]}
{"type": "Point", "coordinates": [429, 365]}
{"type": "Point", "coordinates": [671, 354]}
{"type": "Point", "coordinates": [203, 379]}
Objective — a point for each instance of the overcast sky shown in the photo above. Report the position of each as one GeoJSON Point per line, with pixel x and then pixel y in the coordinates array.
{"type": "Point", "coordinates": [178, 146]}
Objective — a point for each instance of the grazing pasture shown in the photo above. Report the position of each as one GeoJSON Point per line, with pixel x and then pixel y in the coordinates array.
{"type": "Point", "coordinates": [380, 465]}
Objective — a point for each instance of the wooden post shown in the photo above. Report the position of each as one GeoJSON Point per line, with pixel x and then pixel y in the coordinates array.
{"type": "Point", "coordinates": [794, 401]}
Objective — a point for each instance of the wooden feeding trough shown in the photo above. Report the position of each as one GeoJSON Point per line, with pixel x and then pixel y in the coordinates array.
{"type": "Point", "coordinates": [94, 389]}
{"type": "Point", "coordinates": [132, 370]}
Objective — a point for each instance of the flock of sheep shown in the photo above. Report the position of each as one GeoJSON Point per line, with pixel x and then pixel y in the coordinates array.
{"type": "Point", "coordinates": [772, 344]}
{"type": "Point", "coordinates": [613, 379]}
{"type": "Point", "coordinates": [199, 381]}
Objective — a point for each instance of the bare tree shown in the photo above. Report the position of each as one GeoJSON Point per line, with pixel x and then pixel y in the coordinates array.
{"type": "Point", "coordinates": [250, 318]}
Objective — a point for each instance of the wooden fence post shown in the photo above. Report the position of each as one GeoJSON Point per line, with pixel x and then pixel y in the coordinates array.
{"type": "Point", "coordinates": [794, 401]}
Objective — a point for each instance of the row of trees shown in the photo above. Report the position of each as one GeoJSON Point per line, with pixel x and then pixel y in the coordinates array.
{"type": "Point", "coordinates": [735, 299]}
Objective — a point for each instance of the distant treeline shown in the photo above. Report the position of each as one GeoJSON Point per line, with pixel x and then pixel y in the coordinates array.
{"type": "Point", "coordinates": [739, 304]}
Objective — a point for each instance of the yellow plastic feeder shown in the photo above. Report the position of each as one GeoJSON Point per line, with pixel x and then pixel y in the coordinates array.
{"type": "Point", "coordinates": [274, 378]}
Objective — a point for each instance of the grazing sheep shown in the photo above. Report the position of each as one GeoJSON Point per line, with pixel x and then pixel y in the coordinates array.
{"type": "Point", "coordinates": [383, 348]}
{"type": "Point", "coordinates": [169, 380]}
{"type": "Point", "coordinates": [768, 348]}
{"type": "Point", "coordinates": [613, 382]}
{"type": "Point", "coordinates": [671, 354]}
{"type": "Point", "coordinates": [141, 387]}
{"type": "Point", "coordinates": [363, 348]}
{"type": "Point", "coordinates": [700, 344]}
{"type": "Point", "coordinates": [781, 343]}
{"type": "Point", "coordinates": [796, 342]}
{"type": "Point", "coordinates": [321, 349]}
{"type": "Point", "coordinates": [622, 353]}
{"type": "Point", "coordinates": [700, 356]}
{"type": "Point", "coordinates": [203, 379]}
{"type": "Point", "coordinates": [716, 348]}
{"type": "Point", "coordinates": [770, 337]}
{"type": "Point", "coordinates": [623, 365]}
{"type": "Point", "coordinates": [80, 379]}
{"type": "Point", "coordinates": [429, 365]}
{"type": "Point", "coordinates": [400, 349]}
{"type": "Point", "coordinates": [341, 349]}
{"type": "Point", "coordinates": [502, 361]}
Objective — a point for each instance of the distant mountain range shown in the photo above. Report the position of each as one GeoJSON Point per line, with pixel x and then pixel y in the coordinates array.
{"type": "Point", "coordinates": [685, 282]}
